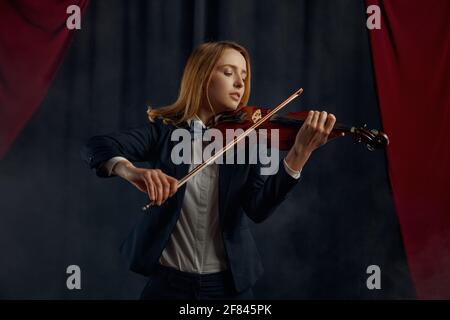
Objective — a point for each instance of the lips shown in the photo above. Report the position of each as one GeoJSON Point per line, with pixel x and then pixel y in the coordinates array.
{"type": "Point", "coordinates": [235, 96]}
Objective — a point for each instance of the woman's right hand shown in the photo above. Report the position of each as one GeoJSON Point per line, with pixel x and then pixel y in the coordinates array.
{"type": "Point", "coordinates": [155, 183]}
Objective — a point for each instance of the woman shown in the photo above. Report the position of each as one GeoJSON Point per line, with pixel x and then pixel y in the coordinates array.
{"type": "Point", "coordinates": [196, 243]}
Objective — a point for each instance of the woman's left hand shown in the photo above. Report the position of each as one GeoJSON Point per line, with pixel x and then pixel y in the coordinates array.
{"type": "Point", "coordinates": [313, 134]}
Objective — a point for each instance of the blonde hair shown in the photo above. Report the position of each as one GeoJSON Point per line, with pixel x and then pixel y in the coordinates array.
{"type": "Point", "coordinates": [195, 82]}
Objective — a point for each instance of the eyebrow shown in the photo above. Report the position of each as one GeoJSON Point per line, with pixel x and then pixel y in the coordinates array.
{"type": "Point", "coordinates": [233, 66]}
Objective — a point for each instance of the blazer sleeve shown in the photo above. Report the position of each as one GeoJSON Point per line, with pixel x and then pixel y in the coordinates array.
{"type": "Point", "coordinates": [135, 144]}
{"type": "Point", "coordinates": [263, 194]}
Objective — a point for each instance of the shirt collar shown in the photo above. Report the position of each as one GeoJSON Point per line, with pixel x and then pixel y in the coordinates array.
{"type": "Point", "coordinates": [197, 120]}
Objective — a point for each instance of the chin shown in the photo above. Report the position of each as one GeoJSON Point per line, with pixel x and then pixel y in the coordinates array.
{"type": "Point", "coordinates": [229, 107]}
{"type": "Point", "coordinates": [234, 107]}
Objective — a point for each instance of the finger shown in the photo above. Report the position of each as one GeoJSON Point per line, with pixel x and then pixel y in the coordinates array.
{"type": "Point", "coordinates": [315, 119]}
{"type": "Point", "coordinates": [322, 119]}
{"type": "Point", "coordinates": [155, 194]}
{"type": "Point", "coordinates": [166, 186]}
{"type": "Point", "coordinates": [159, 188]}
{"type": "Point", "coordinates": [150, 190]}
{"type": "Point", "coordinates": [173, 185]}
{"type": "Point", "coordinates": [309, 117]}
{"type": "Point", "coordinates": [331, 120]}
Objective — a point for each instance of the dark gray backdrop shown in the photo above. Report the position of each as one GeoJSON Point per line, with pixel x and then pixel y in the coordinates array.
{"type": "Point", "coordinates": [340, 219]}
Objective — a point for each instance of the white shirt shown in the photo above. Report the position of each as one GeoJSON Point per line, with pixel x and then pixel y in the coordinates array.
{"type": "Point", "coordinates": [196, 243]}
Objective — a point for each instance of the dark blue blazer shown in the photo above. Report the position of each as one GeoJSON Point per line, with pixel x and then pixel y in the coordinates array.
{"type": "Point", "coordinates": [243, 194]}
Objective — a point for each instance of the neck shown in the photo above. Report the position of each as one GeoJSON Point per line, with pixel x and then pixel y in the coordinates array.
{"type": "Point", "coordinates": [205, 114]}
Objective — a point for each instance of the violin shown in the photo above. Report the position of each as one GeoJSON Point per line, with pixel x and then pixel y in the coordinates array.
{"type": "Point", "coordinates": [289, 124]}
{"type": "Point", "coordinates": [255, 118]}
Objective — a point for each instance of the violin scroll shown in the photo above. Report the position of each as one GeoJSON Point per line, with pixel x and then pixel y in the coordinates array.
{"type": "Point", "coordinates": [373, 139]}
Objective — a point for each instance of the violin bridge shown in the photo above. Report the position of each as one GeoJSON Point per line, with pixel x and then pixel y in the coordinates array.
{"type": "Point", "coordinates": [256, 116]}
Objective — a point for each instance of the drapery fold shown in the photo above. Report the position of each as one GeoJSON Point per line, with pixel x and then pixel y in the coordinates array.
{"type": "Point", "coordinates": [33, 41]}
{"type": "Point", "coordinates": [130, 54]}
{"type": "Point", "coordinates": [411, 59]}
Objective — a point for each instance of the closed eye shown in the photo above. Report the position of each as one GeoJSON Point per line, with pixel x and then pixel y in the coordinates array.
{"type": "Point", "coordinates": [230, 73]}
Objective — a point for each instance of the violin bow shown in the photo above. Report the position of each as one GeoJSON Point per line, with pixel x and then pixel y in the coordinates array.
{"type": "Point", "coordinates": [236, 140]}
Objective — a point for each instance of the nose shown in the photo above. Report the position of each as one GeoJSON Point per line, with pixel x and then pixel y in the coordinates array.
{"type": "Point", "coordinates": [238, 83]}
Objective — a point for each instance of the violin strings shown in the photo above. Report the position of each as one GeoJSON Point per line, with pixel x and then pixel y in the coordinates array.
{"type": "Point", "coordinates": [239, 138]}
{"type": "Point", "coordinates": [197, 169]}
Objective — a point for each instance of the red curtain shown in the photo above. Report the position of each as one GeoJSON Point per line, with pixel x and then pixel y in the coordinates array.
{"type": "Point", "coordinates": [33, 41]}
{"type": "Point", "coordinates": [412, 68]}
{"type": "Point", "coordinates": [411, 56]}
